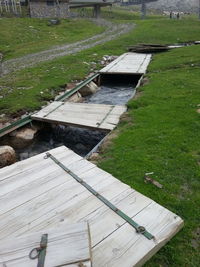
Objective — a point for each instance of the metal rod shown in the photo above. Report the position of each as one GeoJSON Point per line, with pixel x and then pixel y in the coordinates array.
{"type": "Point", "coordinates": [139, 229]}
{"type": "Point", "coordinates": [15, 125]}
{"type": "Point", "coordinates": [75, 89]}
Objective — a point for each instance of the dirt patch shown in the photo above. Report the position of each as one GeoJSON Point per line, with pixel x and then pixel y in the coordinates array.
{"type": "Point", "coordinates": [112, 31]}
{"type": "Point", "coordinates": [138, 94]}
{"type": "Point", "coordinates": [184, 191]}
{"type": "Point", "coordinates": [125, 117]}
{"type": "Point", "coordinates": [144, 81]}
{"type": "Point", "coordinates": [94, 158]}
{"type": "Point", "coordinates": [108, 140]}
{"type": "Point", "coordinates": [195, 242]}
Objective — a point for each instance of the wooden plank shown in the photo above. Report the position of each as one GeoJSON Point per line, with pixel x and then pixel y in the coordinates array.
{"type": "Point", "coordinates": [55, 205]}
{"type": "Point", "coordinates": [82, 115]}
{"type": "Point", "coordinates": [120, 247]}
{"type": "Point", "coordinates": [114, 241]}
{"type": "Point", "coordinates": [128, 63]}
{"type": "Point", "coordinates": [50, 108]}
{"type": "Point", "coordinates": [30, 179]}
{"type": "Point", "coordinates": [31, 163]}
{"type": "Point", "coordinates": [67, 245]}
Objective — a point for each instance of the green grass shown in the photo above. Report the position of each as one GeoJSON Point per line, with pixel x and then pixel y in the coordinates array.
{"type": "Point", "coordinates": [162, 135]}
{"type": "Point", "coordinates": [21, 36]}
{"type": "Point", "coordinates": [35, 85]}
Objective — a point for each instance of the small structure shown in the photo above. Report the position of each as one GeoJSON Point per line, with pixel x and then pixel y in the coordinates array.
{"type": "Point", "coordinates": [60, 8]}
{"type": "Point", "coordinates": [138, 2]}
{"type": "Point", "coordinates": [10, 6]}
{"type": "Point", "coordinates": [58, 188]}
{"type": "Point", "coordinates": [128, 63]}
{"type": "Point", "coordinates": [92, 116]}
{"type": "Point", "coordinates": [49, 8]}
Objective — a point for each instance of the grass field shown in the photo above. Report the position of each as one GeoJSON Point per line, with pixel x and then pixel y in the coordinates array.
{"type": "Point", "coordinates": [21, 36]}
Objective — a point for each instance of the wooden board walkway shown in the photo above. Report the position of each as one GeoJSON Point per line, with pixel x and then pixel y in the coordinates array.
{"type": "Point", "coordinates": [68, 245]}
{"type": "Point", "coordinates": [128, 63]}
{"type": "Point", "coordinates": [94, 116]}
{"type": "Point", "coordinates": [36, 194]}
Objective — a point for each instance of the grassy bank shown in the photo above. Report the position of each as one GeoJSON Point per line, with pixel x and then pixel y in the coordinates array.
{"type": "Point", "coordinates": [161, 134]}
{"type": "Point", "coordinates": [35, 85]}
{"type": "Point", "coordinates": [21, 36]}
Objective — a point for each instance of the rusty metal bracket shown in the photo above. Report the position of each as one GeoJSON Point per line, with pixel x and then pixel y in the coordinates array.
{"type": "Point", "coordinates": [139, 229]}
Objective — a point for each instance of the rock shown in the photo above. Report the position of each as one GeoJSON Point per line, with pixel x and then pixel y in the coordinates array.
{"type": "Point", "coordinates": [75, 98]}
{"type": "Point", "coordinates": [53, 22]}
{"type": "Point", "coordinates": [70, 86]}
{"type": "Point", "coordinates": [175, 5]}
{"type": "Point", "coordinates": [23, 137]}
{"type": "Point", "coordinates": [7, 156]}
{"type": "Point", "coordinates": [80, 148]}
{"type": "Point", "coordinates": [88, 89]}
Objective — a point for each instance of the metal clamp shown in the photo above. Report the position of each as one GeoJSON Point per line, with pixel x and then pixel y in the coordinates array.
{"type": "Point", "coordinates": [40, 252]}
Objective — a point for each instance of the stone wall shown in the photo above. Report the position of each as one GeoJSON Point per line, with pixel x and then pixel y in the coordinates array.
{"type": "Point", "coordinates": [42, 10]}
{"type": "Point", "coordinates": [176, 5]}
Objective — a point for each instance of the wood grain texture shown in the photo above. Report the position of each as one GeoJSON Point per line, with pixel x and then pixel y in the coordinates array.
{"type": "Point", "coordinates": [128, 63]}
{"type": "Point", "coordinates": [37, 195]}
{"type": "Point", "coordinates": [94, 116]}
{"type": "Point", "coordinates": [68, 245]}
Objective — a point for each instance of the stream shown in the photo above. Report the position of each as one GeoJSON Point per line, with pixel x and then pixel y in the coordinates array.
{"type": "Point", "coordinates": [80, 140]}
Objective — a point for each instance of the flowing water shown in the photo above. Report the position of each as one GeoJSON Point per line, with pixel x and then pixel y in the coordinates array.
{"type": "Point", "coordinates": [111, 95]}
{"type": "Point", "coordinates": [80, 140]}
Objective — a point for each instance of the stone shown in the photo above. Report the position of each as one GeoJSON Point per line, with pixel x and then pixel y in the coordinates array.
{"type": "Point", "coordinates": [70, 86]}
{"type": "Point", "coordinates": [7, 156]}
{"type": "Point", "coordinates": [88, 89]}
{"type": "Point", "coordinates": [23, 137]}
{"type": "Point", "coordinates": [80, 148]}
{"type": "Point", "coordinates": [175, 5]}
{"type": "Point", "coordinates": [40, 9]}
{"type": "Point", "coordinates": [53, 22]}
{"type": "Point", "coordinates": [74, 98]}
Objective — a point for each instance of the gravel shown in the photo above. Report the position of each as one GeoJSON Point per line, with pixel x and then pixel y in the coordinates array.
{"type": "Point", "coordinates": [112, 31]}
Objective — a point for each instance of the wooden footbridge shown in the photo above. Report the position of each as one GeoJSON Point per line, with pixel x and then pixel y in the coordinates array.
{"type": "Point", "coordinates": [76, 213]}
{"type": "Point", "coordinates": [96, 116]}
{"type": "Point", "coordinates": [41, 193]}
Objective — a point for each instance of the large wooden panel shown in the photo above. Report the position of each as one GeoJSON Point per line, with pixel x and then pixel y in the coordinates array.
{"type": "Point", "coordinates": [37, 194]}
{"type": "Point", "coordinates": [128, 63]}
{"type": "Point", "coordinates": [95, 116]}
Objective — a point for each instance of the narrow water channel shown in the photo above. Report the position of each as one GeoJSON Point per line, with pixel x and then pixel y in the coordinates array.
{"type": "Point", "coordinates": [111, 95]}
{"type": "Point", "coordinates": [113, 91]}
{"type": "Point", "coordinates": [80, 140]}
